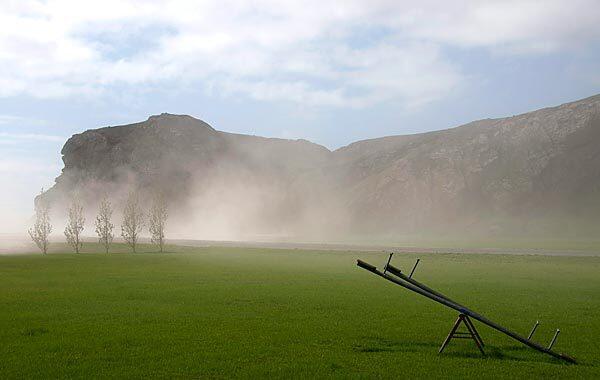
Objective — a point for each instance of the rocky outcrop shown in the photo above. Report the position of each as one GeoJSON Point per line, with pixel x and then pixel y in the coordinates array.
{"type": "Point", "coordinates": [536, 173]}
{"type": "Point", "coordinates": [522, 173]}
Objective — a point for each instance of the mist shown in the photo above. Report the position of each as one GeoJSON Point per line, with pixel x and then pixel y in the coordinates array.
{"type": "Point", "coordinates": [535, 175]}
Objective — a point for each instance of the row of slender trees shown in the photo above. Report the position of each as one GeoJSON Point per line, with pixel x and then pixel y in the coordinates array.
{"type": "Point", "coordinates": [132, 225]}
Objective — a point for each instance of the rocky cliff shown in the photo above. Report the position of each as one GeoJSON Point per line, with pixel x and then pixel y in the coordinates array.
{"type": "Point", "coordinates": [535, 173]}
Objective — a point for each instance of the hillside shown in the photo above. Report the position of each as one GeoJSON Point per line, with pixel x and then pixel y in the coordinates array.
{"type": "Point", "coordinates": [535, 173]}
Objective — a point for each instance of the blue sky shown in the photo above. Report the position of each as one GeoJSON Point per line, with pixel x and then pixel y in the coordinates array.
{"type": "Point", "coordinates": [328, 71]}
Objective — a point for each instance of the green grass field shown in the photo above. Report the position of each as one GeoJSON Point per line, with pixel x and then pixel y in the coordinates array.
{"type": "Point", "coordinates": [254, 313]}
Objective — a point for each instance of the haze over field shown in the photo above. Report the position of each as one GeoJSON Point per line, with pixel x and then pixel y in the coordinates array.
{"type": "Point", "coordinates": [331, 73]}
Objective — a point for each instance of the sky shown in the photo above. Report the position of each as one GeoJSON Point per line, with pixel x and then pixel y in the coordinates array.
{"type": "Point", "coordinates": [332, 72]}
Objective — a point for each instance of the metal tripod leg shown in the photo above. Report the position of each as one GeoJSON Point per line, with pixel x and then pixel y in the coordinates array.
{"type": "Point", "coordinates": [471, 334]}
{"type": "Point", "coordinates": [451, 334]}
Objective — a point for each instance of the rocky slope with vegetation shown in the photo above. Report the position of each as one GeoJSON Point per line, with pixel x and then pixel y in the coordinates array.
{"type": "Point", "coordinates": [535, 173]}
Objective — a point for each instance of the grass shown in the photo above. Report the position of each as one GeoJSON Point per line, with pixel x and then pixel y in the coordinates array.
{"type": "Point", "coordinates": [255, 313]}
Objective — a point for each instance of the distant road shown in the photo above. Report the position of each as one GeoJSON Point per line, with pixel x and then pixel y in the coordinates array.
{"type": "Point", "coordinates": [14, 244]}
{"type": "Point", "coordinates": [379, 248]}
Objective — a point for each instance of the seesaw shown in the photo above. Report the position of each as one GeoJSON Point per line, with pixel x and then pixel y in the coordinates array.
{"type": "Point", "coordinates": [396, 276]}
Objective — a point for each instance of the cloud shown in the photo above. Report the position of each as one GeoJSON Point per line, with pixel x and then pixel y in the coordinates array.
{"type": "Point", "coordinates": [23, 167]}
{"type": "Point", "coordinates": [524, 27]}
{"type": "Point", "coordinates": [26, 176]}
{"type": "Point", "coordinates": [6, 119]}
{"type": "Point", "coordinates": [334, 53]}
{"type": "Point", "coordinates": [30, 136]}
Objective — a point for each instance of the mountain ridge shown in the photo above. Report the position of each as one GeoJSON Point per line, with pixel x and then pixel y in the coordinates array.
{"type": "Point", "coordinates": [523, 172]}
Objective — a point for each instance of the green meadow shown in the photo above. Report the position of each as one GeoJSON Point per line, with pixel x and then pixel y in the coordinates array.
{"type": "Point", "coordinates": [258, 313]}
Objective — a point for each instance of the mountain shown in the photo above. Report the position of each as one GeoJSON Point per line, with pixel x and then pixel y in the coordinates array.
{"type": "Point", "coordinates": [535, 173]}
{"type": "Point", "coordinates": [537, 168]}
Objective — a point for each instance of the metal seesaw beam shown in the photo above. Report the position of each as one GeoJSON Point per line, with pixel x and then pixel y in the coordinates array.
{"type": "Point", "coordinates": [398, 273]}
{"type": "Point", "coordinates": [462, 309]}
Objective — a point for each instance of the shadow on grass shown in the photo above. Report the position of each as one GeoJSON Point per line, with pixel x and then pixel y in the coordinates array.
{"type": "Point", "coordinates": [523, 353]}
{"type": "Point", "coordinates": [381, 344]}
{"type": "Point", "coordinates": [375, 344]}
{"type": "Point", "coordinates": [36, 331]}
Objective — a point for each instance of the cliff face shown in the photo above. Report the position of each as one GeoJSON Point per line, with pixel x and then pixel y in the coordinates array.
{"type": "Point", "coordinates": [524, 169]}
{"type": "Point", "coordinates": [535, 172]}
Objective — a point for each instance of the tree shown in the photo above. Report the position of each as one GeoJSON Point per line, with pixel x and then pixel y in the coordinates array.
{"type": "Point", "coordinates": [42, 228]}
{"type": "Point", "coordinates": [75, 225]}
{"type": "Point", "coordinates": [158, 219]}
{"type": "Point", "coordinates": [133, 221]}
{"type": "Point", "coordinates": [104, 226]}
